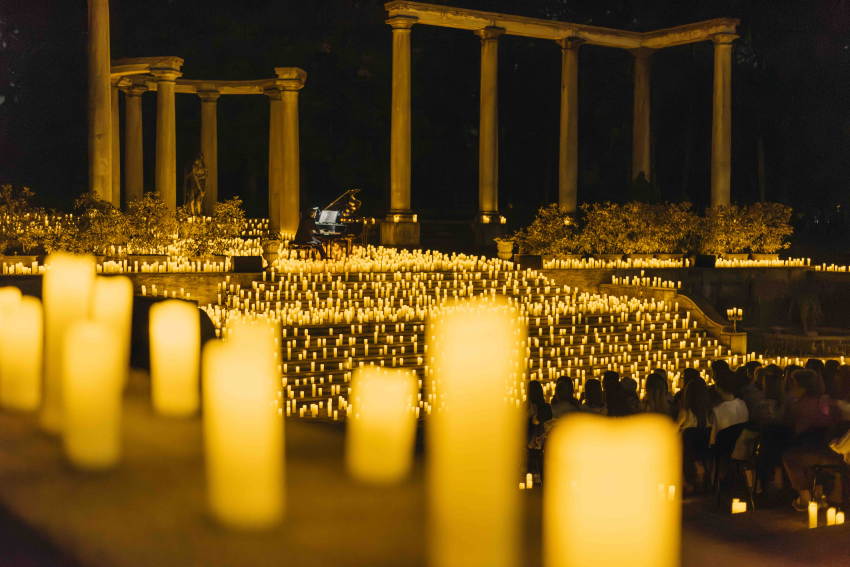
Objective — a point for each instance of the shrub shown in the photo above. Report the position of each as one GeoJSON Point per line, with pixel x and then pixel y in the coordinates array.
{"type": "Point", "coordinates": [611, 228]}
{"type": "Point", "coordinates": [98, 227]}
{"type": "Point", "coordinates": [770, 227]}
{"type": "Point", "coordinates": [552, 233]}
{"type": "Point", "coordinates": [151, 226]}
{"type": "Point", "coordinates": [725, 229]}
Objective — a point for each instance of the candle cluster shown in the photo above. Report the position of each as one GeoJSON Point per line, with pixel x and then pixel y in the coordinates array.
{"type": "Point", "coordinates": [370, 308]}
{"type": "Point", "coordinates": [601, 263]}
{"type": "Point", "coordinates": [834, 517]}
{"type": "Point", "coordinates": [786, 263]}
{"type": "Point", "coordinates": [645, 281]}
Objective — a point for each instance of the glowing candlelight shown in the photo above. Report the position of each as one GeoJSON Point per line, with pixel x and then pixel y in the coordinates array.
{"type": "Point", "coordinates": [738, 506]}
{"type": "Point", "coordinates": [174, 351]}
{"type": "Point", "coordinates": [243, 432]}
{"type": "Point", "coordinates": [67, 289]}
{"type": "Point", "coordinates": [830, 516]}
{"type": "Point", "coordinates": [589, 502]}
{"type": "Point", "coordinates": [813, 515]}
{"type": "Point", "coordinates": [475, 434]}
{"type": "Point", "coordinates": [382, 424]}
{"type": "Point", "coordinates": [112, 304]}
{"type": "Point", "coordinates": [91, 390]}
{"type": "Point", "coordinates": [21, 355]}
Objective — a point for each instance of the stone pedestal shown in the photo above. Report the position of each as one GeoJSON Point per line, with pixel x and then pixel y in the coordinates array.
{"type": "Point", "coordinates": [400, 229]}
{"type": "Point", "coordinates": [737, 342]}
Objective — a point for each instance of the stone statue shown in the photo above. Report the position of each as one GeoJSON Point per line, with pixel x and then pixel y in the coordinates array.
{"type": "Point", "coordinates": [195, 186]}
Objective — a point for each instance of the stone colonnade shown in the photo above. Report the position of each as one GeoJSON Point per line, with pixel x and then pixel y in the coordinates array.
{"type": "Point", "coordinates": [136, 76]}
{"type": "Point", "coordinates": [400, 226]}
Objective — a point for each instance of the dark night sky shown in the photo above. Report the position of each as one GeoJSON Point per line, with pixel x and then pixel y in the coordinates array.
{"type": "Point", "coordinates": [791, 89]}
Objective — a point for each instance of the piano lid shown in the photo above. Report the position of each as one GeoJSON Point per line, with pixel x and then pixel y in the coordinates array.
{"type": "Point", "coordinates": [346, 204]}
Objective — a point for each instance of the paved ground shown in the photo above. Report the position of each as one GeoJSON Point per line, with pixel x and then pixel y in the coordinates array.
{"type": "Point", "coordinates": [150, 511]}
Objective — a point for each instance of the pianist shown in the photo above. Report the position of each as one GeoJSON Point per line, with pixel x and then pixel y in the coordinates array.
{"type": "Point", "coordinates": [305, 236]}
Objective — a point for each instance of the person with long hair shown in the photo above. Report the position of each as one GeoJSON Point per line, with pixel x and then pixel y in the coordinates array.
{"type": "Point", "coordinates": [564, 401]}
{"type": "Point", "coordinates": [693, 422]}
{"type": "Point", "coordinates": [592, 399]}
{"type": "Point", "coordinates": [539, 412]}
{"type": "Point", "coordinates": [657, 398]}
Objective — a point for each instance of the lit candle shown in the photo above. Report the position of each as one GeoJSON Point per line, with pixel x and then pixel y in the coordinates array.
{"type": "Point", "coordinates": [738, 506]}
{"type": "Point", "coordinates": [112, 305]}
{"type": "Point", "coordinates": [589, 502]}
{"type": "Point", "coordinates": [839, 518]}
{"type": "Point", "coordinates": [174, 350]}
{"type": "Point", "coordinates": [830, 516]}
{"type": "Point", "coordinates": [67, 288]}
{"type": "Point", "coordinates": [21, 355]}
{"type": "Point", "coordinates": [91, 390]}
{"type": "Point", "coordinates": [813, 515]}
{"type": "Point", "coordinates": [381, 425]}
{"type": "Point", "coordinates": [475, 434]}
{"type": "Point", "coordinates": [243, 432]}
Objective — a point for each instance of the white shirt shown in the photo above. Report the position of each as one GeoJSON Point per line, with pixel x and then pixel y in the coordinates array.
{"type": "Point", "coordinates": [727, 414]}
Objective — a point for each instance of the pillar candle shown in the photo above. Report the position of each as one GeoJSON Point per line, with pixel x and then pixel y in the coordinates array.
{"type": "Point", "coordinates": [596, 513]}
{"type": "Point", "coordinates": [813, 515]}
{"type": "Point", "coordinates": [112, 305]}
{"type": "Point", "coordinates": [475, 434]}
{"type": "Point", "coordinates": [243, 432]}
{"type": "Point", "coordinates": [91, 389]}
{"type": "Point", "coordinates": [839, 518]}
{"type": "Point", "coordinates": [174, 355]}
{"type": "Point", "coordinates": [21, 356]}
{"type": "Point", "coordinates": [381, 426]}
{"type": "Point", "coordinates": [67, 288]}
{"type": "Point", "coordinates": [830, 516]}
{"type": "Point", "coordinates": [738, 507]}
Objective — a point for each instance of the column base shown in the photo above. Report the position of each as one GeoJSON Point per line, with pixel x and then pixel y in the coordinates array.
{"type": "Point", "coordinates": [737, 342]}
{"type": "Point", "coordinates": [400, 229]}
{"type": "Point", "coordinates": [486, 227]}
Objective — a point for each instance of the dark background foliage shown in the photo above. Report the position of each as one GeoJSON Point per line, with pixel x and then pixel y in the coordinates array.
{"type": "Point", "coordinates": [791, 89]}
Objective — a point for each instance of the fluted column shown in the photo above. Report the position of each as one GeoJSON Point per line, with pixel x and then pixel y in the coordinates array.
{"type": "Point", "coordinates": [488, 130]}
{"type": "Point", "coordinates": [721, 126]}
{"type": "Point", "coordinates": [290, 80]}
{"type": "Point", "coordinates": [166, 136]}
{"type": "Point", "coordinates": [400, 116]}
{"type": "Point", "coordinates": [99, 111]}
{"type": "Point", "coordinates": [133, 152]}
{"type": "Point", "coordinates": [641, 129]}
{"type": "Point", "coordinates": [209, 145]}
{"type": "Point", "coordinates": [275, 157]}
{"type": "Point", "coordinates": [568, 139]}
{"type": "Point", "coordinates": [116, 148]}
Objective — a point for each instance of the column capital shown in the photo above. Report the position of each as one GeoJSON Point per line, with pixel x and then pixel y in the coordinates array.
{"type": "Point", "coordinates": [642, 52]}
{"type": "Point", "coordinates": [290, 78]}
{"type": "Point", "coordinates": [489, 33]}
{"type": "Point", "coordinates": [167, 68]}
{"type": "Point", "coordinates": [402, 23]}
{"type": "Point", "coordinates": [134, 89]}
{"type": "Point", "coordinates": [724, 38]}
{"type": "Point", "coordinates": [273, 93]}
{"type": "Point", "coordinates": [210, 95]}
{"type": "Point", "coordinates": [572, 42]}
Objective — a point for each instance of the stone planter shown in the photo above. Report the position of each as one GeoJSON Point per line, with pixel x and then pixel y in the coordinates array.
{"type": "Point", "coordinates": [764, 256]}
{"type": "Point", "coordinates": [247, 264]}
{"type": "Point", "coordinates": [704, 260]}
{"type": "Point", "coordinates": [504, 249]}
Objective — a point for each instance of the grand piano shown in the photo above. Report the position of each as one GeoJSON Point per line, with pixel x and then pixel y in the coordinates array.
{"type": "Point", "coordinates": [339, 221]}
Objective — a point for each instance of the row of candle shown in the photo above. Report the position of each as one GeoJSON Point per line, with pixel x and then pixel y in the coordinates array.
{"type": "Point", "coordinates": [834, 517]}
{"type": "Point", "coordinates": [602, 263]}
{"type": "Point", "coordinates": [767, 263]}
{"type": "Point", "coordinates": [644, 281]}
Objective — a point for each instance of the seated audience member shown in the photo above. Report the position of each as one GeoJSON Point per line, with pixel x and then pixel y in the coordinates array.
{"type": "Point", "coordinates": [657, 399]}
{"type": "Point", "coordinates": [539, 412]}
{"type": "Point", "coordinates": [693, 422]}
{"type": "Point", "coordinates": [631, 401]}
{"type": "Point", "coordinates": [830, 378]}
{"type": "Point", "coordinates": [592, 399]}
{"type": "Point", "coordinates": [730, 410]}
{"type": "Point", "coordinates": [810, 415]}
{"type": "Point", "coordinates": [842, 386]}
{"type": "Point", "coordinates": [769, 418]}
{"type": "Point", "coordinates": [688, 374]}
{"type": "Point", "coordinates": [615, 399]}
{"type": "Point", "coordinates": [748, 390]}
{"type": "Point", "coordinates": [564, 401]}
{"type": "Point", "coordinates": [770, 409]}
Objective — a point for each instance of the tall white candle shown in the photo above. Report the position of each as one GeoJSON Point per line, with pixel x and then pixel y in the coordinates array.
{"type": "Point", "coordinates": [175, 357]}
{"type": "Point", "coordinates": [381, 424]}
{"type": "Point", "coordinates": [112, 304]}
{"type": "Point", "coordinates": [474, 435]}
{"type": "Point", "coordinates": [92, 386]}
{"type": "Point", "coordinates": [21, 355]}
{"type": "Point", "coordinates": [594, 512]}
{"type": "Point", "coordinates": [813, 515]}
{"type": "Point", "coordinates": [243, 432]}
{"type": "Point", "coordinates": [66, 293]}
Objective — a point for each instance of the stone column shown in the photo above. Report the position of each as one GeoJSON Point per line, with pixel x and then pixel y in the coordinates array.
{"type": "Point", "coordinates": [290, 80]}
{"type": "Point", "coordinates": [209, 145]}
{"type": "Point", "coordinates": [166, 137]}
{"type": "Point", "coordinates": [133, 152]}
{"type": "Point", "coordinates": [568, 141]}
{"type": "Point", "coordinates": [641, 129]}
{"type": "Point", "coordinates": [116, 148]}
{"type": "Point", "coordinates": [488, 130]}
{"type": "Point", "coordinates": [275, 156]}
{"type": "Point", "coordinates": [721, 125]}
{"type": "Point", "coordinates": [99, 112]}
{"type": "Point", "coordinates": [400, 226]}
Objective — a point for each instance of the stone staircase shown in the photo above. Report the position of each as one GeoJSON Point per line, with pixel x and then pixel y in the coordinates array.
{"type": "Point", "coordinates": [371, 309]}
